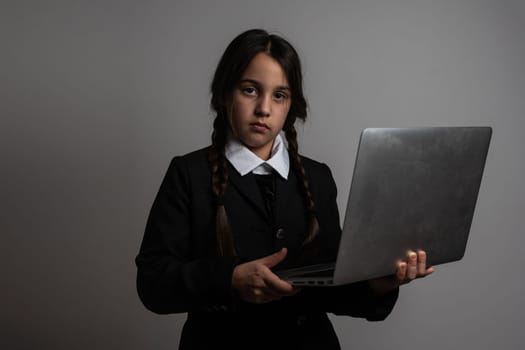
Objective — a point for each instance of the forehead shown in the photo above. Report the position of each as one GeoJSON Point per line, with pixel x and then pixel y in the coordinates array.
{"type": "Point", "coordinates": [265, 70]}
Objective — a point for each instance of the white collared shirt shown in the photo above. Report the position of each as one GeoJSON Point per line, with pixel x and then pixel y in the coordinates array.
{"type": "Point", "coordinates": [245, 161]}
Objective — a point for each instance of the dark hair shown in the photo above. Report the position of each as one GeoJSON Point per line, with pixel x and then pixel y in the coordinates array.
{"type": "Point", "coordinates": [231, 66]}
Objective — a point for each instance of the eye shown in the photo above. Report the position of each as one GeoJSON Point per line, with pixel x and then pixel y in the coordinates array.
{"type": "Point", "coordinates": [249, 90]}
{"type": "Point", "coordinates": [280, 96]}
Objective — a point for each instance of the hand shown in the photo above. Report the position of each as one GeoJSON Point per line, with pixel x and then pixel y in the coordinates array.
{"type": "Point", "coordinates": [414, 267]}
{"type": "Point", "coordinates": [256, 283]}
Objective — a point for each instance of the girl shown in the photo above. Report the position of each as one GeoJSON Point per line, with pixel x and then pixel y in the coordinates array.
{"type": "Point", "coordinates": [227, 214]}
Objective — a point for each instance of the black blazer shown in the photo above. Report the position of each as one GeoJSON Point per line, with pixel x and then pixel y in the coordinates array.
{"type": "Point", "coordinates": [179, 270]}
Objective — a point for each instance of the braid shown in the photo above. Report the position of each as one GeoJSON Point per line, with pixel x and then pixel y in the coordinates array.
{"type": "Point", "coordinates": [219, 175]}
{"type": "Point", "coordinates": [313, 224]}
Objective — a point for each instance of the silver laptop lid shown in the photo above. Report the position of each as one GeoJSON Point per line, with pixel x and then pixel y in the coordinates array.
{"type": "Point", "coordinates": [413, 188]}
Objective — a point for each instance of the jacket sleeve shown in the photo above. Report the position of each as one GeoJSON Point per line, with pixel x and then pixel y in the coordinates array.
{"type": "Point", "coordinates": [169, 277]}
{"type": "Point", "coordinates": [355, 299]}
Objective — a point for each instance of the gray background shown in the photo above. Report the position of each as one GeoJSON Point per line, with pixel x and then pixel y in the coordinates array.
{"type": "Point", "coordinates": [97, 96]}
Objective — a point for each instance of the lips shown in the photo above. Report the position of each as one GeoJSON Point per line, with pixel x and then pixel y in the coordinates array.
{"type": "Point", "coordinates": [260, 126]}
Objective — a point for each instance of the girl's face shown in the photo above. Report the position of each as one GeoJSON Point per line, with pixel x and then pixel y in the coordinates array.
{"type": "Point", "coordinates": [259, 104]}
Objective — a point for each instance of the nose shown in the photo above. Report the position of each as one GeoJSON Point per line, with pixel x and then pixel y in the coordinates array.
{"type": "Point", "coordinates": [264, 106]}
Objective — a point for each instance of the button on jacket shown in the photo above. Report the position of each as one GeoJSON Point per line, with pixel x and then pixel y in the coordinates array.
{"type": "Point", "coordinates": [179, 270]}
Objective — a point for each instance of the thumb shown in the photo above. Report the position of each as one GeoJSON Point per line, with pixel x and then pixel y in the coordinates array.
{"type": "Point", "coordinates": [274, 259]}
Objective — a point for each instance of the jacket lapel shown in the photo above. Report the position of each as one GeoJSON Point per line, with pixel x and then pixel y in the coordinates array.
{"type": "Point", "coordinates": [248, 188]}
{"type": "Point", "coordinates": [284, 189]}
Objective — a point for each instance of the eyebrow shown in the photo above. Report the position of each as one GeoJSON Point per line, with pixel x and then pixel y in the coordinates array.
{"type": "Point", "coordinates": [255, 82]}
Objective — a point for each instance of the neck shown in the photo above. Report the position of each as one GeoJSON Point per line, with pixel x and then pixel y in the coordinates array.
{"type": "Point", "coordinates": [263, 152]}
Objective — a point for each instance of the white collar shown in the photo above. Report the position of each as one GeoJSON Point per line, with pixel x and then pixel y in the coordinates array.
{"type": "Point", "coordinates": [245, 161]}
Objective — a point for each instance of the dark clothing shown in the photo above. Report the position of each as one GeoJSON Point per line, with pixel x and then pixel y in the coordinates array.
{"type": "Point", "coordinates": [179, 270]}
{"type": "Point", "coordinates": [266, 184]}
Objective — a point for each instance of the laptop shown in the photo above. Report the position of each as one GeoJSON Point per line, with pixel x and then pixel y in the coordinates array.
{"type": "Point", "coordinates": [412, 188]}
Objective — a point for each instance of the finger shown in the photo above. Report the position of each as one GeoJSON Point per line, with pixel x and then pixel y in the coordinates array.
{"type": "Point", "coordinates": [412, 265]}
{"type": "Point", "coordinates": [401, 271]}
{"type": "Point", "coordinates": [260, 293]}
{"type": "Point", "coordinates": [277, 285]}
{"type": "Point", "coordinates": [274, 259]}
{"type": "Point", "coordinates": [269, 293]}
{"type": "Point", "coordinates": [263, 294]}
{"type": "Point", "coordinates": [295, 289]}
{"type": "Point", "coordinates": [421, 263]}
{"type": "Point", "coordinates": [260, 296]}
{"type": "Point", "coordinates": [278, 294]}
